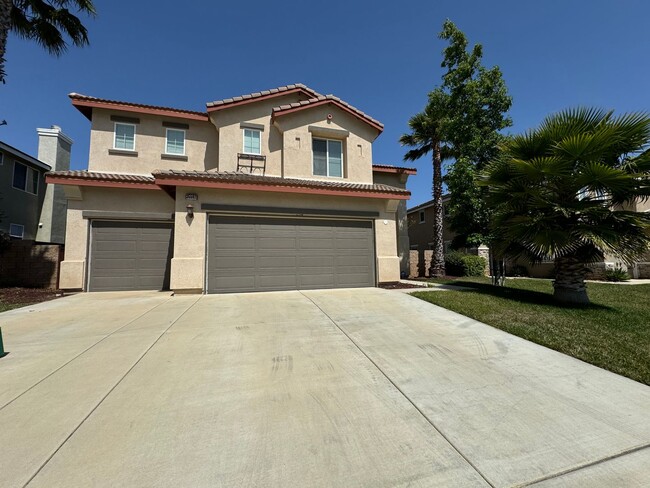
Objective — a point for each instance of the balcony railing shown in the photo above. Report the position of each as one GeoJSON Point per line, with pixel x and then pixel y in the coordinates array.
{"type": "Point", "coordinates": [251, 163]}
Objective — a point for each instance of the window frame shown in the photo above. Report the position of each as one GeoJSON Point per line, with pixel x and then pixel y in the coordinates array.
{"type": "Point", "coordinates": [22, 234]}
{"type": "Point", "coordinates": [243, 141]}
{"type": "Point", "coordinates": [135, 133]}
{"type": "Point", "coordinates": [167, 153]}
{"type": "Point", "coordinates": [421, 217]}
{"type": "Point", "coordinates": [327, 157]}
{"type": "Point", "coordinates": [29, 171]}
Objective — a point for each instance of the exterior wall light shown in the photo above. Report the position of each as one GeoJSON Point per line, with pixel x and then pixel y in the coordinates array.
{"type": "Point", "coordinates": [190, 210]}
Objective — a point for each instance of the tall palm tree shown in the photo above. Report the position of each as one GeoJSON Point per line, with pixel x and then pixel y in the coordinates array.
{"type": "Point", "coordinates": [427, 136]}
{"type": "Point", "coordinates": [47, 22]}
{"type": "Point", "coordinates": [560, 192]}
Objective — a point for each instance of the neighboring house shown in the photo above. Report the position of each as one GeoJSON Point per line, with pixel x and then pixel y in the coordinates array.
{"type": "Point", "coordinates": [274, 190]}
{"type": "Point", "coordinates": [420, 235]}
{"type": "Point", "coordinates": [420, 226]}
{"type": "Point", "coordinates": [30, 209]}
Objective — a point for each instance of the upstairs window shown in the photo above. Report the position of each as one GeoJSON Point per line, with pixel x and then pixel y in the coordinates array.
{"type": "Point", "coordinates": [328, 157]}
{"type": "Point", "coordinates": [16, 230]}
{"type": "Point", "coordinates": [422, 219]}
{"type": "Point", "coordinates": [124, 136]}
{"type": "Point", "coordinates": [25, 178]}
{"type": "Point", "coordinates": [252, 141]}
{"type": "Point", "coordinates": [175, 142]}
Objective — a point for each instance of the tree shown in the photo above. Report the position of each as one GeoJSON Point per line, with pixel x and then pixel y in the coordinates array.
{"type": "Point", "coordinates": [48, 22]}
{"type": "Point", "coordinates": [560, 192]}
{"type": "Point", "coordinates": [427, 136]}
{"type": "Point", "coordinates": [478, 103]}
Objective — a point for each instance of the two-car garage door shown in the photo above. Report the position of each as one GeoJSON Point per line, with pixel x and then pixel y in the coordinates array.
{"type": "Point", "coordinates": [266, 253]}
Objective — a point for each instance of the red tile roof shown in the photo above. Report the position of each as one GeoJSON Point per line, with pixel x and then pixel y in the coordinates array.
{"type": "Point", "coordinates": [325, 99]}
{"type": "Point", "coordinates": [85, 104]}
{"type": "Point", "coordinates": [387, 168]}
{"type": "Point", "coordinates": [99, 176]}
{"type": "Point", "coordinates": [273, 92]}
{"type": "Point", "coordinates": [277, 182]}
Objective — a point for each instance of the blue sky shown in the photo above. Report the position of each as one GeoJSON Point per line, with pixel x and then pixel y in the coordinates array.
{"type": "Point", "coordinates": [380, 56]}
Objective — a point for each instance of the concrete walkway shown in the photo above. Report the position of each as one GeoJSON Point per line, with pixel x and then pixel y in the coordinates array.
{"type": "Point", "coordinates": [354, 388]}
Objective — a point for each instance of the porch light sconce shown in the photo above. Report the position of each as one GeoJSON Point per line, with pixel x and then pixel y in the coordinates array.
{"type": "Point", "coordinates": [190, 210]}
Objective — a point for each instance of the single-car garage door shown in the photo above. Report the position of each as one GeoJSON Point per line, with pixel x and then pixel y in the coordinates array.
{"type": "Point", "coordinates": [265, 254]}
{"type": "Point", "coordinates": [130, 255]}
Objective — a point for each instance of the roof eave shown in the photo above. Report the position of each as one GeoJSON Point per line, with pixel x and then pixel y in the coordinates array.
{"type": "Point", "coordinates": [86, 107]}
{"type": "Point", "coordinates": [378, 127]}
{"type": "Point", "coordinates": [245, 101]}
{"type": "Point", "coordinates": [277, 188]}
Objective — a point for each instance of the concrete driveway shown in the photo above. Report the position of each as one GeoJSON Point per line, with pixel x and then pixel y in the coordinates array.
{"type": "Point", "coordinates": [340, 388]}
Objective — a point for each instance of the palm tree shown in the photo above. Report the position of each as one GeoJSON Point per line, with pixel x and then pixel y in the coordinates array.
{"type": "Point", "coordinates": [45, 21]}
{"type": "Point", "coordinates": [561, 191]}
{"type": "Point", "coordinates": [427, 136]}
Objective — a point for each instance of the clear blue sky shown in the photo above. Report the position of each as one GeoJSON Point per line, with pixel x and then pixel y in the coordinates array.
{"type": "Point", "coordinates": [380, 56]}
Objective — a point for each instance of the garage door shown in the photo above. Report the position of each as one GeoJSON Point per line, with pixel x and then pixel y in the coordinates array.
{"type": "Point", "coordinates": [265, 254]}
{"type": "Point", "coordinates": [130, 255]}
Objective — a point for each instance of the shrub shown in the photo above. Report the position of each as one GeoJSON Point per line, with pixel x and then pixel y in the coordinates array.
{"type": "Point", "coordinates": [461, 264]}
{"type": "Point", "coordinates": [616, 274]}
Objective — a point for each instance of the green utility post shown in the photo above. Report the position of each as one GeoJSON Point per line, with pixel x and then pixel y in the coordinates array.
{"type": "Point", "coordinates": [2, 347]}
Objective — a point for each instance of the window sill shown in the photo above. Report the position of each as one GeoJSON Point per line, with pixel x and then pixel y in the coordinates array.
{"type": "Point", "coordinates": [174, 157]}
{"type": "Point", "coordinates": [122, 152]}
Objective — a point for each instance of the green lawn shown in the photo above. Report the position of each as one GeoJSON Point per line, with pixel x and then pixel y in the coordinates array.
{"type": "Point", "coordinates": [613, 332]}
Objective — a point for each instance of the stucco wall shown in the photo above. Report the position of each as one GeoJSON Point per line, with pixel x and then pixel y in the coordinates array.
{"type": "Point", "coordinates": [201, 145]}
{"type": "Point", "coordinates": [403, 242]}
{"type": "Point", "coordinates": [421, 234]}
{"type": "Point", "coordinates": [190, 234]}
{"type": "Point", "coordinates": [73, 267]}
{"type": "Point", "coordinates": [287, 142]}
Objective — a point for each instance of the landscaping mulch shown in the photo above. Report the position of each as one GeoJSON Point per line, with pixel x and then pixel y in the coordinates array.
{"type": "Point", "coordinates": [398, 286]}
{"type": "Point", "coordinates": [19, 297]}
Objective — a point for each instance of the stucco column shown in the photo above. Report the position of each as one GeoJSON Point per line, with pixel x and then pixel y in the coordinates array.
{"type": "Point", "coordinates": [188, 263]}
{"type": "Point", "coordinates": [388, 262]}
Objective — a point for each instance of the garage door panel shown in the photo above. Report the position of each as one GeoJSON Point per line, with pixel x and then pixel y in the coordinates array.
{"type": "Point", "coordinates": [264, 253]}
{"type": "Point", "coordinates": [130, 255]}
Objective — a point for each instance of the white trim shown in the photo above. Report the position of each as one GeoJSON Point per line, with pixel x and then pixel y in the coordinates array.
{"type": "Point", "coordinates": [22, 231]}
{"type": "Point", "coordinates": [243, 141]}
{"type": "Point", "coordinates": [167, 129]}
{"type": "Point", "coordinates": [115, 136]}
{"type": "Point", "coordinates": [328, 157]}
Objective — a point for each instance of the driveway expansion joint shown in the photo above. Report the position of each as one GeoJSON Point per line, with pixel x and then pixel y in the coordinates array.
{"type": "Point", "coordinates": [49, 458]}
{"type": "Point", "coordinates": [580, 467]}
{"type": "Point", "coordinates": [356, 345]}
{"type": "Point", "coordinates": [106, 336]}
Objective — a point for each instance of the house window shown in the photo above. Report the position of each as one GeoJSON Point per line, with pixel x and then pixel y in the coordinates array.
{"type": "Point", "coordinates": [328, 157]}
{"type": "Point", "coordinates": [25, 178]}
{"type": "Point", "coordinates": [422, 220]}
{"type": "Point", "coordinates": [175, 142]}
{"type": "Point", "coordinates": [2, 159]}
{"type": "Point", "coordinates": [252, 141]}
{"type": "Point", "coordinates": [124, 136]}
{"type": "Point", "coordinates": [16, 230]}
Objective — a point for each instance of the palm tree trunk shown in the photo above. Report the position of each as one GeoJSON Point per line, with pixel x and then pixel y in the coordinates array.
{"type": "Point", "coordinates": [569, 285]}
{"type": "Point", "coordinates": [438, 258]}
{"type": "Point", "coordinates": [5, 23]}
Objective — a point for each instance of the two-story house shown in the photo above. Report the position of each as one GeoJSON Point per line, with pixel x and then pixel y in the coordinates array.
{"type": "Point", "coordinates": [273, 190]}
{"type": "Point", "coordinates": [30, 209]}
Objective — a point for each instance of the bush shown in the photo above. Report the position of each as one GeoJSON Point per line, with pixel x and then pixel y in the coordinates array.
{"type": "Point", "coordinates": [616, 274]}
{"type": "Point", "coordinates": [461, 264]}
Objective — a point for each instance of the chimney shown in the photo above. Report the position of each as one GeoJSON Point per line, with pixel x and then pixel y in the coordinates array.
{"type": "Point", "coordinates": [53, 149]}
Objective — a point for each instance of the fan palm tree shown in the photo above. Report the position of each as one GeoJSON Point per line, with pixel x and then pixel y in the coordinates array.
{"type": "Point", "coordinates": [427, 136]}
{"type": "Point", "coordinates": [45, 21]}
{"type": "Point", "coordinates": [561, 191]}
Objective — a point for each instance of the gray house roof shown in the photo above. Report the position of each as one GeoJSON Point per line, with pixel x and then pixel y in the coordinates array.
{"type": "Point", "coordinates": [24, 156]}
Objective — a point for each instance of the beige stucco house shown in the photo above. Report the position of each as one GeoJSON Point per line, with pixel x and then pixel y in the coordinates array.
{"type": "Point", "coordinates": [274, 190]}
